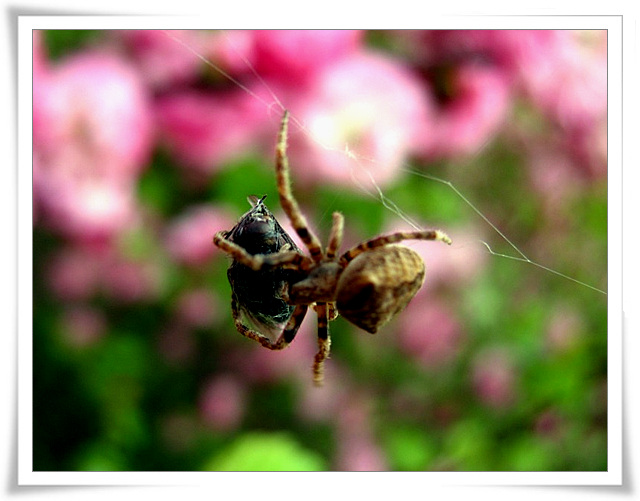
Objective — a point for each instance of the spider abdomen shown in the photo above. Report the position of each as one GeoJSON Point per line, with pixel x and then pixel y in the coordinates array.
{"type": "Point", "coordinates": [378, 284]}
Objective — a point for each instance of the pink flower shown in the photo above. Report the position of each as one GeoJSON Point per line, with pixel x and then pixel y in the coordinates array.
{"type": "Point", "coordinates": [88, 209]}
{"type": "Point", "coordinates": [504, 49]}
{"type": "Point", "coordinates": [73, 274]}
{"type": "Point", "coordinates": [197, 308]}
{"type": "Point", "coordinates": [474, 110]}
{"type": "Point", "coordinates": [555, 177]}
{"type": "Point", "coordinates": [360, 120]}
{"type": "Point", "coordinates": [588, 148]}
{"type": "Point", "coordinates": [92, 137]}
{"type": "Point", "coordinates": [41, 75]}
{"type": "Point", "coordinates": [429, 332]}
{"type": "Point", "coordinates": [565, 329]}
{"type": "Point", "coordinates": [175, 57]}
{"type": "Point", "coordinates": [233, 51]}
{"type": "Point", "coordinates": [296, 57]}
{"type": "Point", "coordinates": [494, 378]}
{"type": "Point", "coordinates": [550, 424]}
{"type": "Point", "coordinates": [189, 238]}
{"type": "Point", "coordinates": [360, 454]}
{"type": "Point", "coordinates": [205, 130]}
{"type": "Point", "coordinates": [165, 57]}
{"type": "Point", "coordinates": [129, 281]}
{"type": "Point", "coordinates": [567, 79]}
{"type": "Point", "coordinates": [95, 116]}
{"type": "Point", "coordinates": [357, 450]}
{"type": "Point", "coordinates": [222, 403]}
{"type": "Point", "coordinates": [84, 271]}
{"type": "Point", "coordinates": [82, 325]}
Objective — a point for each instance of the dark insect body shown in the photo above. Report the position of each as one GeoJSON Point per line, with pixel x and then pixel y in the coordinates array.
{"type": "Point", "coordinates": [258, 294]}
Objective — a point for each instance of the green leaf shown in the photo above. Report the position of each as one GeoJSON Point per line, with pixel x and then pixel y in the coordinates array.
{"type": "Point", "coordinates": [409, 448]}
{"type": "Point", "coordinates": [260, 451]}
{"type": "Point", "coordinates": [530, 454]}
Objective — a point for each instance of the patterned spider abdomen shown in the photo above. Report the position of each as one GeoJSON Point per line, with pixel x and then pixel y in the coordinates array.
{"type": "Point", "coordinates": [258, 293]}
{"type": "Point", "coordinates": [378, 284]}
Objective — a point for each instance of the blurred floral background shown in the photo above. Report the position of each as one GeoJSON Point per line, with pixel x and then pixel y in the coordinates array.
{"type": "Point", "coordinates": [145, 143]}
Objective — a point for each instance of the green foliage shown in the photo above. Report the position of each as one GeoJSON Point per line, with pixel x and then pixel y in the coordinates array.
{"type": "Point", "coordinates": [265, 452]}
{"type": "Point", "coordinates": [61, 42]}
{"type": "Point", "coordinates": [409, 448]}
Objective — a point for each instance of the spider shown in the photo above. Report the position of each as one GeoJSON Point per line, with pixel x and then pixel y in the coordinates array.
{"type": "Point", "coordinates": [368, 284]}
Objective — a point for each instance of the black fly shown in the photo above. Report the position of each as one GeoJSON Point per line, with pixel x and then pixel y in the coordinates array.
{"type": "Point", "coordinates": [258, 293]}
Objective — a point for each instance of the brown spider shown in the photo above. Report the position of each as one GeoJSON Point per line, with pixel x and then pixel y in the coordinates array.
{"type": "Point", "coordinates": [368, 284]}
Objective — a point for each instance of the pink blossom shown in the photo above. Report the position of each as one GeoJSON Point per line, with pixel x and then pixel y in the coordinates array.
{"type": "Point", "coordinates": [429, 332]}
{"type": "Point", "coordinates": [129, 281]}
{"type": "Point", "coordinates": [296, 57]}
{"type": "Point", "coordinates": [554, 176]}
{"type": "Point", "coordinates": [189, 238]}
{"type": "Point", "coordinates": [88, 209]}
{"type": "Point", "coordinates": [588, 148]}
{"type": "Point", "coordinates": [95, 118]}
{"type": "Point", "coordinates": [41, 74]}
{"type": "Point", "coordinates": [222, 403]}
{"type": "Point", "coordinates": [360, 454]}
{"type": "Point", "coordinates": [197, 307]}
{"type": "Point", "coordinates": [508, 50]}
{"type": "Point", "coordinates": [357, 450]}
{"type": "Point", "coordinates": [233, 51]}
{"type": "Point", "coordinates": [73, 274]}
{"type": "Point", "coordinates": [565, 329]}
{"type": "Point", "coordinates": [175, 57]}
{"type": "Point", "coordinates": [463, 122]}
{"type": "Point", "coordinates": [568, 80]}
{"type": "Point", "coordinates": [549, 424]}
{"type": "Point", "coordinates": [84, 271]}
{"type": "Point", "coordinates": [325, 403]}
{"type": "Point", "coordinates": [165, 57]}
{"type": "Point", "coordinates": [205, 130]}
{"type": "Point", "coordinates": [82, 325]}
{"type": "Point", "coordinates": [359, 122]}
{"type": "Point", "coordinates": [92, 137]}
{"type": "Point", "coordinates": [494, 378]}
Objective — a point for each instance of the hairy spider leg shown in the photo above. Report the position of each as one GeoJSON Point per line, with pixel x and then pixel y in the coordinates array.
{"type": "Point", "coordinates": [286, 336]}
{"type": "Point", "coordinates": [285, 259]}
{"type": "Point", "coordinates": [392, 239]}
{"type": "Point", "coordinates": [324, 344]}
{"type": "Point", "coordinates": [335, 237]}
{"type": "Point", "coordinates": [287, 200]}
{"type": "Point", "coordinates": [335, 241]}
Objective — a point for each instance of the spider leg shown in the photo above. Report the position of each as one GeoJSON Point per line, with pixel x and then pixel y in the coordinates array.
{"type": "Point", "coordinates": [335, 237]}
{"type": "Point", "coordinates": [288, 202]}
{"type": "Point", "coordinates": [392, 239]}
{"type": "Point", "coordinates": [332, 311]}
{"type": "Point", "coordinates": [286, 336]}
{"type": "Point", "coordinates": [324, 344]}
{"type": "Point", "coordinates": [284, 259]}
